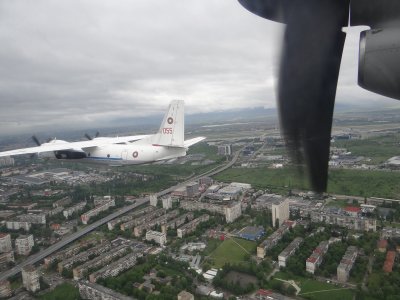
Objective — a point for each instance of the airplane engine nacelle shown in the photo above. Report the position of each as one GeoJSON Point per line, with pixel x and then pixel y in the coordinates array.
{"type": "Point", "coordinates": [70, 154]}
{"type": "Point", "coordinates": [379, 61]}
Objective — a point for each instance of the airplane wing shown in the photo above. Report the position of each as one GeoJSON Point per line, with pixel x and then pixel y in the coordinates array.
{"type": "Point", "coordinates": [56, 145]}
{"type": "Point", "coordinates": [193, 141]}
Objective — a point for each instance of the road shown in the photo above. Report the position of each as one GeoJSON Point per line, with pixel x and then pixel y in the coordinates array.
{"type": "Point", "coordinates": [74, 236]}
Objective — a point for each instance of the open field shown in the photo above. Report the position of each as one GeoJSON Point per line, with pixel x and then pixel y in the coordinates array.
{"type": "Point", "coordinates": [316, 290]}
{"type": "Point", "coordinates": [233, 251]}
{"type": "Point", "coordinates": [344, 182]}
{"type": "Point", "coordinates": [65, 291]}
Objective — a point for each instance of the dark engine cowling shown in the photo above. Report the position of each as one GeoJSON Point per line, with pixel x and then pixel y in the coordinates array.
{"type": "Point", "coordinates": [68, 154]}
{"type": "Point", "coordinates": [379, 61]}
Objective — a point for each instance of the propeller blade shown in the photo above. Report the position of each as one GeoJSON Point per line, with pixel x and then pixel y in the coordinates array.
{"type": "Point", "coordinates": [97, 134]}
{"type": "Point", "coordinates": [36, 140]}
{"type": "Point", "coordinates": [311, 55]}
{"type": "Point", "coordinates": [88, 137]}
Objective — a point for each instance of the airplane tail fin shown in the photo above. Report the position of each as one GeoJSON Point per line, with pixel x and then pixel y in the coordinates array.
{"type": "Point", "coordinates": [172, 129]}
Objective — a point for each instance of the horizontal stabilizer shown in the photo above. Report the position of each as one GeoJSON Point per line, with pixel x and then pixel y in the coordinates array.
{"type": "Point", "coordinates": [193, 141]}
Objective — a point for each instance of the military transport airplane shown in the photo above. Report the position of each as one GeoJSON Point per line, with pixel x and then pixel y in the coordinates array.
{"type": "Point", "coordinates": [167, 143]}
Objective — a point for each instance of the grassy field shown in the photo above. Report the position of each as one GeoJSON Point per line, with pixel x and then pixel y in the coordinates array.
{"type": "Point", "coordinates": [64, 291]}
{"type": "Point", "coordinates": [315, 290]}
{"type": "Point", "coordinates": [232, 251]}
{"type": "Point", "coordinates": [345, 182]}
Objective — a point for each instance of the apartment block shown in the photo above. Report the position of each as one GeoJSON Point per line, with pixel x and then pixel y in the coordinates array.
{"type": "Point", "coordinates": [138, 230]}
{"type": "Point", "coordinates": [24, 244]}
{"type": "Point", "coordinates": [143, 219]}
{"type": "Point", "coordinates": [5, 289]}
{"type": "Point", "coordinates": [153, 200]}
{"type": "Point", "coordinates": [62, 202]}
{"type": "Point", "coordinates": [30, 278]}
{"type": "Point", "coordinates": [315, 260]}
{"type": "Point", "coordinates": [93, 291]}
{"type": "Point", "coordinates": [99, 201]}
{"type": "Point", "coordinates": [95, 211]}
{"type": "Point", "coordinates": [99, 261]}
{"type": "Point", "coordinates": [33, 218]}
{"type": "Point", "coordinates": [192, 189]}
{"type": "Point", "coordinates": [289, 251]}
{"type": "Point", "coordinates": [174, 223]}
{"type": "Point", "coordinates": [159, 237]}
{"type": "Point", "coordinates": [69, 252]}
{"type": "Point", "coordinates": [347, 263]}
{"type": "Point", "coordinates": [129, 217]}
{"type": "Point", "coordinates": [350, 222]}
{"type": "Point", "coordinates": [115, 268]}
{"type": "Point", "coordinates": [272, 240]}
{"type": "Point", "coordinates": [5, 242]}
{"type": "Point", "coordinates": [6, 257]}
{"type": "Point", "coordinates": [280, 211]}
{"type": "Point", "coordinates": [16, 225]}
{"type": "Point", "coordinates": [191, 226]}
{"type": "Point", "coordinates": [231, 211]}
{"type": "Point", "coordinates": [166, 202]}
{"type": "Point", "coordinates": [76, 208]}
{"type": "Point", "coordinates": [84, 256]}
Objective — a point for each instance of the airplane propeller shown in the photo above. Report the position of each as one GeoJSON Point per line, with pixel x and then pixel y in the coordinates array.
{"type": "Point", "coordinates": [309, 68]}
{"type": "Point", "coordinates": [91, 138]}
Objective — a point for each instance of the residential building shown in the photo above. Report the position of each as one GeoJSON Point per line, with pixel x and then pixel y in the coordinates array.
{"type": "Point", "coordinates": [76, 208]}
{"type": "Point", "coordinates": [167, 202]}
{"type": "Point", "coordinates": [315, 260]}
{"type": "Point", "coordinates": [6, 257]}
{"type": "Point", "coordinates": [95, 211]}
{"type": "Point", "coordinates": [192, 189]}
{"type": "Point", "coordinates": [280, 212]}
{"type": "Point", "coordinates": [99, 201]}
{"type": "Point", "coordinates": [136, 221]}
{"type": "Point", "coordinates": [382, 245]}
{"type": "Point", "coordinates": [159, 237]}
{"type": "Point", "coordinates": [138, 230]}
{"type": "Point", "coordinates": [390, 232]}
{"type": "Point", "coordinates": [231, 210]}
{"type": "Point", "coordinates": [62, 202]}
{"type": "Point", "coordinates": [389, 262]}
{"type": "Point", "coordinates": [115, 268]}
{"type": "Point", "coordinates": [347, 263]}
{"type": "Point", "coordinates": [93, 291]}
{"type": "Point", "coordinates": [24, 244]}
{"type": "Point", "coordinates": [225, 149]}
{"type": "Point", "coordinates": [289, 251]}
{"type": "Point", "coordinates": [30, 278]}
{"type": "Point", "coordinates": [33, 218]}
{"type": "Point", "coordinates": [191, 226]}
{"type": "Point", "coordinates": [99, 261]}
{"type": "Point", "coordinates": [153, 200]}
{"type": "Point", "coordinates": [343, 220]}
{"type": "Point", "coordinates": [16, 225]}
{"type": "Point", "coordinates": [174, 223]}
{"type": "Point", "coordinates": [5, 242]}
{"type": "Point", "coordinates": [5, 289]}
{"type": "Point", "coordinates": [129, 217]}
{"type": "Point", "coordinates": [273, 239]}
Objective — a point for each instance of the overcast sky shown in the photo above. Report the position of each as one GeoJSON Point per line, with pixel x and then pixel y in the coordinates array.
{"type": "Point", "coordinates": [86, 63]}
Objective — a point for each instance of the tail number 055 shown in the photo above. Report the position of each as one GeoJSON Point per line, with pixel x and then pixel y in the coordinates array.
{"type": "Point", "coordinates": [167, 130]}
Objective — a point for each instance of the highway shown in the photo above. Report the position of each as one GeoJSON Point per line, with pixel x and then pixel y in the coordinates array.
{"type": "Point", "coordinates": [74, 236]}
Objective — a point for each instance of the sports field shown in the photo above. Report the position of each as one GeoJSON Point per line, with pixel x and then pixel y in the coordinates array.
{"type": "Point", "coordinates": [233, 250]}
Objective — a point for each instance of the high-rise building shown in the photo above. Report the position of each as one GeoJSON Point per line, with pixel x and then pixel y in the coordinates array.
{"type": "Point", "coordinates": [167, 202]}
{"type": "Point", "coordinates": [30, 278]}
{"type": "Point", "coordinates": [5, 242]}
{"type": "Point", "coordinates": [153, 200]}
{"type": "Point", "coordinates": [24, 244]}
{"type": "Point", "coordinates": [280, 211]}
{"type": "Point", "coordinates": [159, 237]}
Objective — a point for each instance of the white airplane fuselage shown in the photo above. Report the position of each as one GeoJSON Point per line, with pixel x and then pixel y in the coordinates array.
{"type": "Point", "coordinates": [133, 154]}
